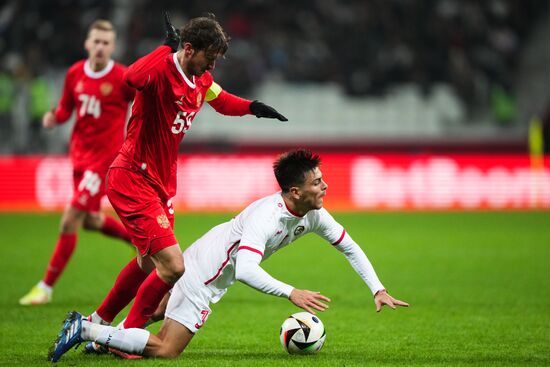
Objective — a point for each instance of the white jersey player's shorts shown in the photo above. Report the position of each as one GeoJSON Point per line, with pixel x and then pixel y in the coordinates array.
{"type": "Point", "coordinates": [189, 303]}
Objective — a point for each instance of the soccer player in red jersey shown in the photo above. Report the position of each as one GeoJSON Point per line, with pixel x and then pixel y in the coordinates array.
{"type": "Point", "coordinates": [171, 88]}
{"type": "Point", "coordinates": [95, 88]}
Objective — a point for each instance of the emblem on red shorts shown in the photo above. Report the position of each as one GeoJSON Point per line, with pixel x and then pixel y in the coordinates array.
{"type": "Point", "coordinates": [163, 221]}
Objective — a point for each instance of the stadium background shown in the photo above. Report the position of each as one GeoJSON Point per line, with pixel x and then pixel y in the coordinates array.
{"type": "Point", "coordinates": [427, 114]}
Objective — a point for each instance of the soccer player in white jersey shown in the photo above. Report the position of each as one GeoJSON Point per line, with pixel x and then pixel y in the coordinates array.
{"type": "Point", "coordinates": [233, 251]}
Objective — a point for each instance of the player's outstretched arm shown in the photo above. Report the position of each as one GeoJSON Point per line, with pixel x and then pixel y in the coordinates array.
{"type": "Point", "coordinates": [232, 105]}
{"type": "Point", "coordinates": [309, 300]}
{"type": "Point", "coordinates": [249, 272]}
{"type": "Point", "coordinates": [260, 109]}
{"type": "Point", "coordinates": [382, 298]}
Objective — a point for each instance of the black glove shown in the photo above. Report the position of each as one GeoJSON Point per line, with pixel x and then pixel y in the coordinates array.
{"type": "Point", "coordinates": [260, 109]}
{"type": "Point", "coordinates": [172, 37]}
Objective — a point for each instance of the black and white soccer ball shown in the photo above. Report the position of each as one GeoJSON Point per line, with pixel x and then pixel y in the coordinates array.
{"type": "Point", "coordinates": [302, 333]}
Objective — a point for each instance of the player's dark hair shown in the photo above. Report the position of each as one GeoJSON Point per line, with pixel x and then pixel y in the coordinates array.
{"type": "Point", "coordinates": [205, 34]}
{"type": "Point", "coordinates": [291, 167]}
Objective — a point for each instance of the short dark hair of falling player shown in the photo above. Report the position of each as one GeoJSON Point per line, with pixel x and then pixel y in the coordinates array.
{"type": "Point", "coordinates": [205, 34]}
{"type": "Point", "coordinates": [291, 167]}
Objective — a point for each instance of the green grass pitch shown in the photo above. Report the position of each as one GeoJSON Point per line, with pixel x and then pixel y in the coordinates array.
{"type": "Point", "coordinates": [478, 284]}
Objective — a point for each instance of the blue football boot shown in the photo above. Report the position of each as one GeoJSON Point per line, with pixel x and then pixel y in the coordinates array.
{"type": "Point", "coordinates": [68, 337]}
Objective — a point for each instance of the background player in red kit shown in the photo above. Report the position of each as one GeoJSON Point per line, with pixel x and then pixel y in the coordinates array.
{"type": "Point", "coordinates": [172, 87]}
{"type": "Point", "coordinates": [95, 88]}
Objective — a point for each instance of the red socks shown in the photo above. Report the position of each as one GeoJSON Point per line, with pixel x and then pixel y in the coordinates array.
{"type": "Point", "coordinates": [67, 243]}
{"type": "Point", "coordinates": [60, 257]}
{"type": "Point", "coordinates": [147, 300]}
{"type": "Point", "coordinates": [124, 290]}
{"type": "Point", "coordinates": [114, 228]}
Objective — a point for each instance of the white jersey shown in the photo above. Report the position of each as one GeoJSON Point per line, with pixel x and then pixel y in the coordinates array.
{"type": "Point", "coordinates": [263, 228]}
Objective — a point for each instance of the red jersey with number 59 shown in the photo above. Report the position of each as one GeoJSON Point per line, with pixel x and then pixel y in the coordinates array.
{"type": "Point", "coordinates": [164, 108]}
{"type": "Point", "coordinates": [101, 102]}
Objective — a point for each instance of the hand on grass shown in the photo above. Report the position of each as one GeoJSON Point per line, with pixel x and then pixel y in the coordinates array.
{"type": "Point", "coordinates": [383, 298]}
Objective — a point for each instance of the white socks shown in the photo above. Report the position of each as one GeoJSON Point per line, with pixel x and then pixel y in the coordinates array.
{"type": "Point", "coordinates": [96, 319]}
{"type": "Point", "coordinates": [45, 287]}
{"type": "Point", "coordinates": [131, 341]}
{"type": "Point", "coordinates": [90, 330]}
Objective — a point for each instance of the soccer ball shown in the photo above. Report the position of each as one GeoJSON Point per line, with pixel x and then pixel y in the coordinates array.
{"type": "Point", "coordinates": [302, 333]}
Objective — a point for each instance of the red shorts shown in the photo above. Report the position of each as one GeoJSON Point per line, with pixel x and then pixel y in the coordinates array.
{"type": "Point", "coordinates": [89, 189]}
{"type": "Point", "coordinates": [148, 220]}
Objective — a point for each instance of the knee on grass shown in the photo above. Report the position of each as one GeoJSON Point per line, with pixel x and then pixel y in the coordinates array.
{"type": "Point", "coordinates": [168, 352]}
{"type": "Point", "coordinates": [159, 348]}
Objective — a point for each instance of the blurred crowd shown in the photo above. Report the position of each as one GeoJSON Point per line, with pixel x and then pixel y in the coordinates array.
{"type": "Point", "coordinates": [366, 46]}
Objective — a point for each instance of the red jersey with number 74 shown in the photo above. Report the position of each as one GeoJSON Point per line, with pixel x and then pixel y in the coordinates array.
{"type": "Point", "coordinates": [100, 99]}
{"type": "Point", "coordinates": [166, 103]}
